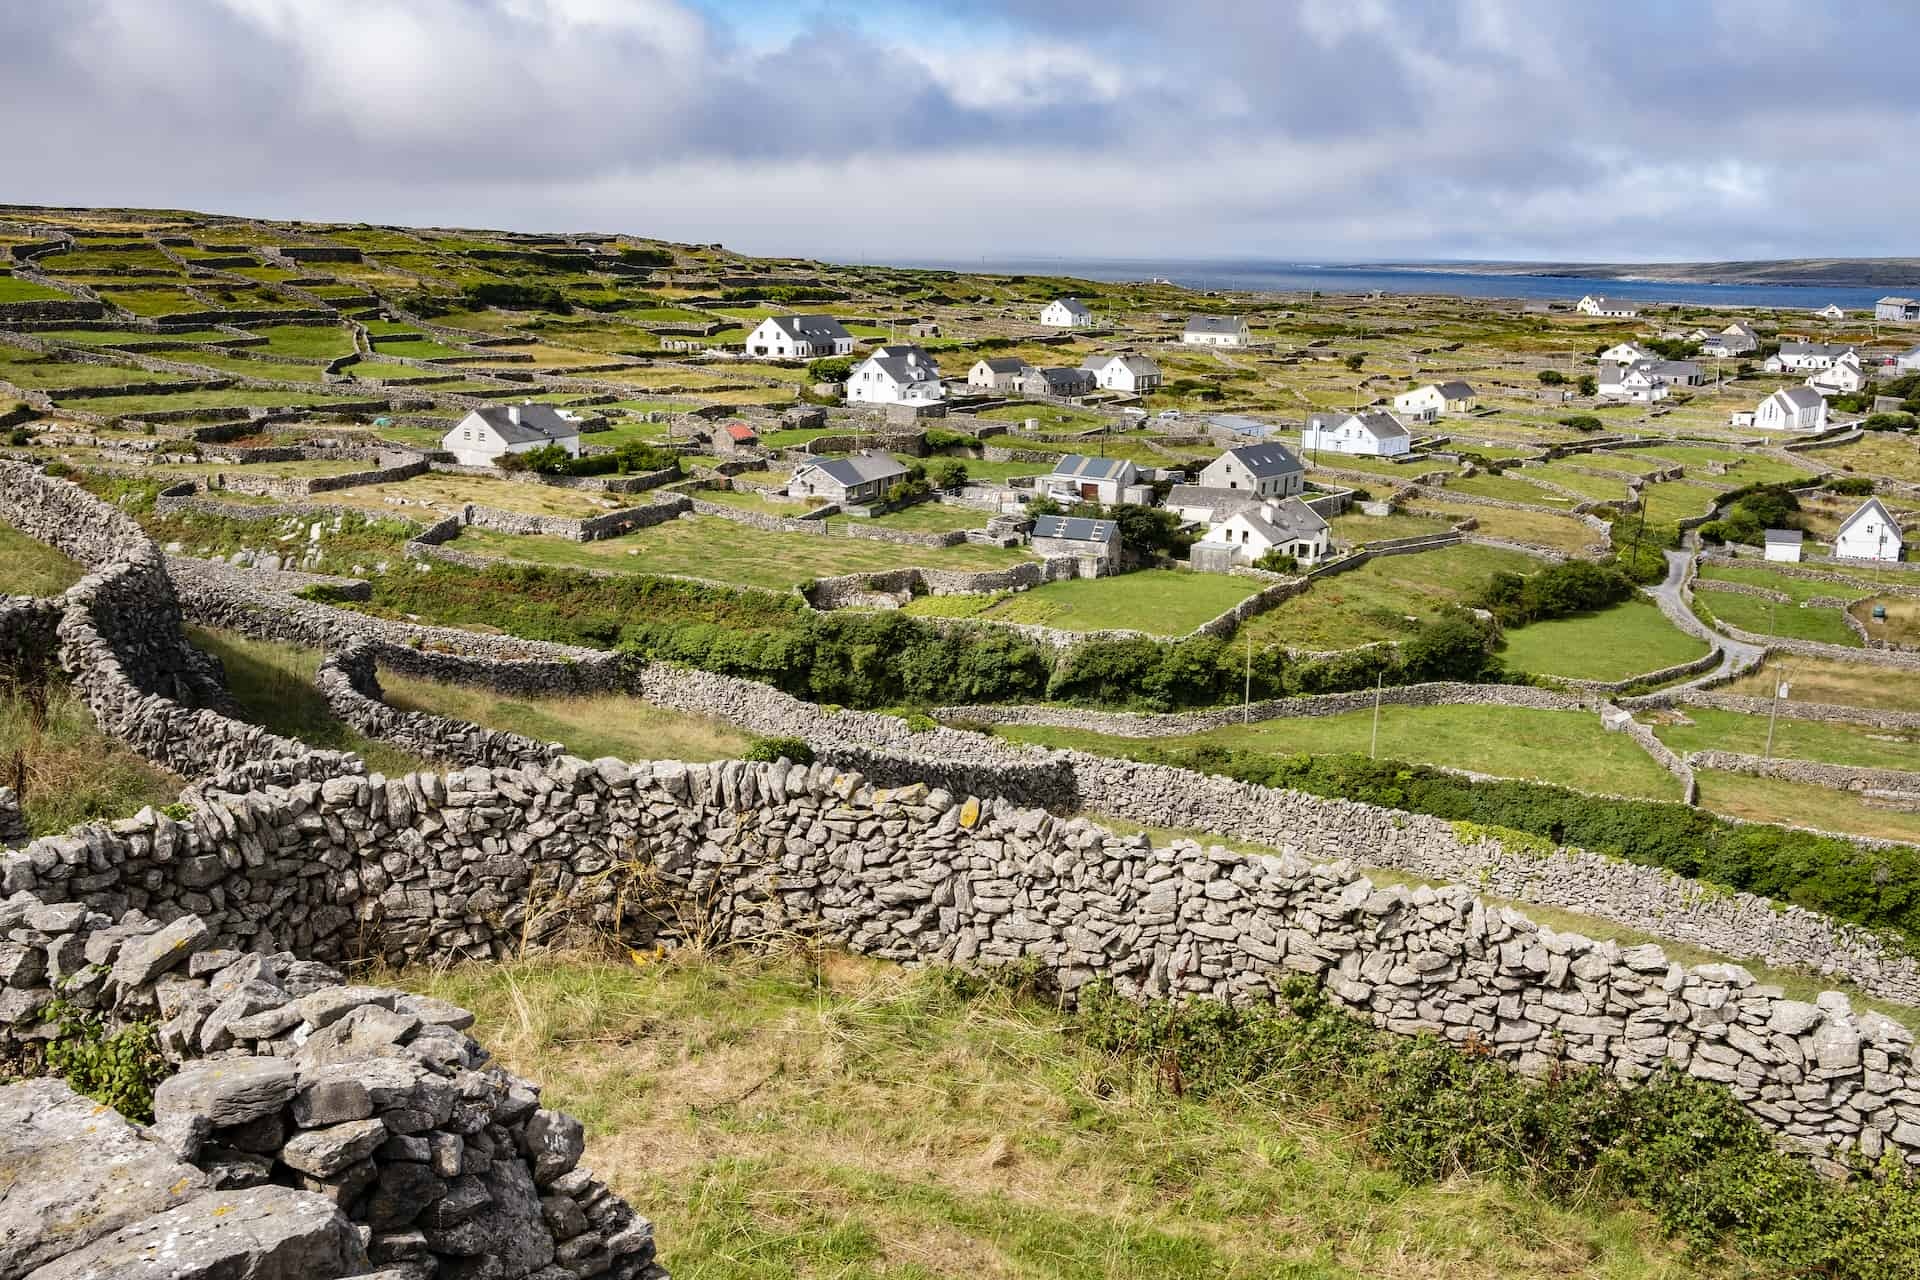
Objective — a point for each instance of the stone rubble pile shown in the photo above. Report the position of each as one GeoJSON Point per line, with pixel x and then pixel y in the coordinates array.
{"type": "Point", "coordinates": [359, 1125]}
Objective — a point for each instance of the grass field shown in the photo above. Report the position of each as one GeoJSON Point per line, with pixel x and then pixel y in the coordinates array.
{"type": "Point", "coordinates": [450, 491]}
{"type": "Point", "coordinates": [1374, 602]}
{"type": "Point", "coordinates": [591, 727]}
{"type": "Point", "coordinates": [74, 773]}
{"type": "Point", "coordinates": [927, 517]}
{"type": "Point", "coordinates": [723, 551]}
{"type": "Point", "coordinates": [1900, 626]}
{"type": "Point", "coordinates": [1741, 467]}
{"type": "Point", "coordinates": [43, 373]}
{"type": "Point", "coordinates": [1802, 804]}
{"type": "Point", "coordinates": [1509, 486]}
{"type": "Point", "coordinates": [1538, 528]}
{"type": "Point", "coordinates": [1713, 730]}
{"type": "Point", "coordinates": [1167, 602]}
{"type": "Point", "coordinates": [32, 568]}
{"type": "Point", "coordinates": [230, 398]}
{"type": "Point", "coordinates": [329, 341]}
{"type": "Point", "coordinates": [14, 289]}
{"type": "Point", "coordinates": [1672, 500]}
{"type": "Point", "coordinates": [1566, 748]}
{"type": "Point", "coordinates": [1881, 453]}
{"type": "Point", "coordinates": [1354, 529]}
{"type": "Point", "coordinates": [1598, 488]}
{"type": "Point", "coordinates": [1628, 639]}
{"type": "Point", "coordinates": [750, 500]}
{"type": "Point", "coordinates": [273, 684]}
{"type": "Point", "coordinates": [1765, 617]}
{"type": "Point", "coordinates": [1831, 680]}
{"type": "Point", "coordinates": [842, 1118]}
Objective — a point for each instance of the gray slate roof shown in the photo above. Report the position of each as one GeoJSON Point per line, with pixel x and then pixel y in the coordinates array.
{"type": "Point", "coordinates": [1784, 537]}
{"type": "Point", "coordinates": [1835, 349]}
{"type": "Point", "coordinates": [1291, 518]}
{"type": "Point", "coordinates": [1006, 364]}
{"type": "Point", "coordinates": [537, 422]}
{"type": "Point", "coordinates": [1080, 467]}
{"type": "Point", "coordinates": [1801, 397]}
{"type": "Point", "coordinates": [1215, 324]}
{"type": "Point", "coordinates": [1076, 306]}
{"type": "Point", "coordinates": [1381, 423]}
{"type": "Point", "coordinates": [1263, 460]}
{"type": "Point", "coordinates": [811, 328]}
{"type": "Point", "coordinates": [1457, 390]}
{"type": "Point", "coordinates": [1075, 529]}
{"type": "Point", "coordinates": [858, 469]}
{"type": "Point", "coordinates": [1219, 503]}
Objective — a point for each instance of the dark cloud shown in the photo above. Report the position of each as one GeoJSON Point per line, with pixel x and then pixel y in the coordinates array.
{"type": "Point", "coordinates": [1368, 128]}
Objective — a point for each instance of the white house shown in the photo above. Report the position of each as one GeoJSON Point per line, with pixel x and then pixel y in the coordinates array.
{"type": "Point", "coordinates": [1596, 305]}
{"type": "Point", "coordinates": [1066, 313]}
{"type": "Point", "coordinates": [1792, 409]}
{"type": "Point", "coordinates": [1784, 544]}
{"type": "Point", "coordinates": [1076, 478]}
{"type": "Point", "coordinates": [1264, 470]}
{"type": "Point", "coordinates": [1288, 525]}
{"type": "Point", "coordinates": [1908, 361]}
{"type": "Point", "coordinates": [481, 437]}
{"type": "Point", "coordinates": [1130, 373]}
{"type": "Point", "coordinates": [1626, 353]}
{"type": "Point", "coordinates": [1002, 373]}
{"type": "Point", "coordinates": [1831, 311]}
{"type": "Point", "coordinates": [1805, 357]}
{"type": "Point", "coordinates": [1217, 331]}
{"type": "Point", "coordinates": [1637, 382]}
{"type": "Point", "coordinates": [1377, 434]}
{"type": "Point", "coordinates": [1868, 534]}
{"type": "Point", "coordinates": [1424, 404]}
{"type": "Point", "coordinates": [901, 374]}
{"type": "Point", "coordinates": [1679, 373]}
{"type": "Point", "coordinates": [799, 338]}
{"type": "Point", "coordinates": [1896, 309]}
{"type": "Point", "coordinates": [1843, 377]}
{"type": "Point", "coordinates": [1725, 346]}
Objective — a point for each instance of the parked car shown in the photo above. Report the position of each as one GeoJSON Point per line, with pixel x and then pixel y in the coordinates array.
{"type": "Point", "coordinates": [1134, 414]}
{"type": "Point", "coordinates": [1168, 415]}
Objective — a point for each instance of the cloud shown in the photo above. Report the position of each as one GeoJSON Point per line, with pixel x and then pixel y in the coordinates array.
{"type": "Point", "coordinates": [954, 128]}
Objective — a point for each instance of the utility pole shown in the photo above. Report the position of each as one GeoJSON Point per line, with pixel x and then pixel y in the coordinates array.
{"type": "Point", "coordinates": [1373, 748]}
{"type": "Point", "coordinates": [1246, 697]}
{"type": "Point", "coordinates": [1780, 689]}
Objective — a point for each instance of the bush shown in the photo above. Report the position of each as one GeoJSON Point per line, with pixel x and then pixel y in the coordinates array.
{"type": "Point", "coordinates": [645, 257]}
{"type": "Point", "coordinates": [1589, 385]}
{"type": "Point", "coordinates": [1277, 561]}
{"type": "Point", "coordinates": [1889, 422]}
{"type": "Point", "coordinates": [1574, 586]}
{"type": "Point", "coordinates": [516, 296]}
{"type": "Point", "coordinates": [1552, 378]}
{"type": "Point", "coordinates": [939, 438]}
{"type": "Point", "coordinates": [950, 475]}
{"type": "Point", "coordinates": [795, 750]}
{"type": "Point", "coordinates": [119, 1070]}
{"type": "Point", "coordinates": [1684, 1149]}
{"type": "Point", "coordinates": [1585, 422]}
{"type": "Point", "coordinates": [830, 369]}
{"type": "Point", "coordinates": [1849, 486]}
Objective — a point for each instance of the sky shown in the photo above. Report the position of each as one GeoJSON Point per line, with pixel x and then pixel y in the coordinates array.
{"type": "Point", "coordinates": [1302, 130]}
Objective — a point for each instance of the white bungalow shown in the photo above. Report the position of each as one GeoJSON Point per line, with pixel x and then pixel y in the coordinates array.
{"type": "Point", "coordinates": [1066, 313]}
{"type": "Point", "coordinates": [480, 438]}
{"type": "Point", "coordinates": [1831, 311]}
{"type": "Point", "coordinates": [1626, 353]}
{"type": "Point", "coordinates": [1792, 409]}
{"type": "Point", "coordinates": [1288, 525]}
{"type": "Point", "coordinates": [1424, 404]}
{"type": "Point", "coordinates": [1637, 383]}
{"type": "Point", "coordinates": [1597, 305]}
{"type": "Point", "coordinates": [1784, 545]}
{"type": "Point", "coordinates": [1001, 373]}
{"type": "Point", "coordinates": [1376, 434]}
{"type": "Point", "coordinates": [799, 338]}
{"type": "Point", "coordinates": [901, 374]}
{"type": "Point", "coordinates": [1129, 373]}
{"type": "Point", "coordinates": [1217, 331]}
{"type": "Point", "coordinates": [1805, 357]}
{"type": "Point", "coordinates": [1908, 361]}
{"type": "Point", "coordinates": [1868, 534]}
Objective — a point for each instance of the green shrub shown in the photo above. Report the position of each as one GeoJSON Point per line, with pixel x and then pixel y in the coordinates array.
{"type": "Point", "coordinates": [771, 749]}
{"type": "Point", "coordinates": [1582, 421]}
{"type": "Point", "coordinates": [516, 296]}
{"type": "Point", "coordinates": [119, 1070]}
{"type": "Point", "coordinates": [1850, 486]}
{"type": "Point", "coordinates": [1573, 586]}
{"type": "Point", "coordinates": [1552, 378]}
{"type": "Point", "coordinates": [1684, 1149]}
{"type": "Point", "coordinates": [830, 369]}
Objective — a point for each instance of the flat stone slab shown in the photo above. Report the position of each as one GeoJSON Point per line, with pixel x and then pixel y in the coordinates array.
{"type": "Point", "coordinates": [72, 1171]}
{"type": "Point", "coordinates": [228, 1091]}
{"type": "Point", "coordinates": [262, 1233]}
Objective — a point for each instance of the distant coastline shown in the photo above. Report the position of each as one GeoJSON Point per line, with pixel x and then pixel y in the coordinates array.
{"type": "Point", "coordinates": [1646, 283]}
{"type": "Point", "coordinates": [1807, 273]}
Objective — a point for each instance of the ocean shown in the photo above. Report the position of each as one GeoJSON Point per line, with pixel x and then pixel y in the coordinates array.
{"type": "Point", "coordinates": [1302, 277]}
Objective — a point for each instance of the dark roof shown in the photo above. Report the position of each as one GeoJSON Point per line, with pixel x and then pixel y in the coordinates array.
{"type": "Point", "coordinates": [1219, 503]}
{"type": "Point", "coordinates": [1800, 397]}
{"type": "Point", "coordinates": [1082, 467]}
{"type": "Point", "coordinates": [811, 328]}
{"type": "Point", "coordinates": [1006, 364]}
{"type": "Point", "coordinates": [1075, 529]}
{"type": "Point", "coordinates": [859, 469]}
{"type": "Point", "coordinates": [1215, 324]}
{"type": "Point", "coordinates": [1784, 537]}
{"type": "Point", "coordinates": [527, 423]}
{"type": "Point", "coordinates": [1457, 390]}
{"type": "Point", "coordinates": [1290, 518]}
{"type": "Point", "coordinates": [1262, 460]}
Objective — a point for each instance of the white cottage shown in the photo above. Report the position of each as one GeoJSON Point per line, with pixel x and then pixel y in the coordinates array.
{"type": "Point", "coordinates": [1843, 377]}
{"type": "Point", "coordinates": [1626, 353]}
{"type": "Point", "coordinates": [1831, 311]}
{"type": "Point", "coordinates": [799, 338]}
{"type": "Point", "coordinates": [1784, 545]}
{"type": "Point", "coordinates": [1217, 331]}
{"type": "Point", "coordinates": [1792, 409]}
{"type": "Point", "coordinates": [1376, 434]}
{"type": "Point", "coordinates": [1066, 313]}
{"type": "Point", "coordinates": [1637, 383]}
{"type": "Point", "coordinates": [1264, 470]}
{"type": "Point", "coordinates": [1597, 305]}
{"type": "Point", "coordinates": [1868, 534]}
{"type": "Point", "coordinates": [1001, 373]}
{"type": "Point", "coordinates": [1805, 357]}
{"type": "Point", "coordinates": [484, 435]}
{"type": "Point", "coordinates": [898, 374]}
{"type": "Point", "coordinates": [1133, 374]}
{"type": "Point", "coordinates": [1289, 526]}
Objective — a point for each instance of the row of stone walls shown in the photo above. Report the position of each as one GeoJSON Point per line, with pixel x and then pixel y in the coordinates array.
{"type": "Point", "coordinates": [306, 486]}
{"type": "Point", "coordinates": [350, 684]}
{"type": "Point", "coordinates": [430, 868]}
{"type": "Point", "coordinates": [1871, 717]}
{"type": "Point", "coordinates": [1842, 777]}
{"type": "Point", "coordinates": [609, 524]}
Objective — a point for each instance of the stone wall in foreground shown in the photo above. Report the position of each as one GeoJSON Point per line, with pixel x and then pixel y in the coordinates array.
{"type": "Point", "coordinates": [478, 862]}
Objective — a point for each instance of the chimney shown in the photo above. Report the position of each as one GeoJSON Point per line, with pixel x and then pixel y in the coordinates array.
{"type": "Point", "coordinates": [513, 414]}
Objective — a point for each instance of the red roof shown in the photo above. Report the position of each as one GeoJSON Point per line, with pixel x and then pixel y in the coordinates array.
{"type": "Point", "coordinates": [741, 431]}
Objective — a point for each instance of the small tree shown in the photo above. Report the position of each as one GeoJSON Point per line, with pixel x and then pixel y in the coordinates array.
{"type": "Point", "coordinates": [1589, 385]}
{"type": "Point", "coordinates": [830, 369]}
{"type": "Point", "coordinates": [1552, 378]}
{"type": "Point", "coordinates": [1043, 505]}
{"type": "Point", "coordinates": [1355, 360]}
{"type": "Point", "coordinates": [950, 475]}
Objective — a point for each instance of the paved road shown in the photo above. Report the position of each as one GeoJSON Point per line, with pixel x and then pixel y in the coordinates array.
{"type": "Point", "coordinates": [1736, 655]}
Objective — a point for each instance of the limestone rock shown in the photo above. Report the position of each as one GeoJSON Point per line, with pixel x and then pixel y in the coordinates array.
{"type": "Point", "coordinates": [262, 1233]}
